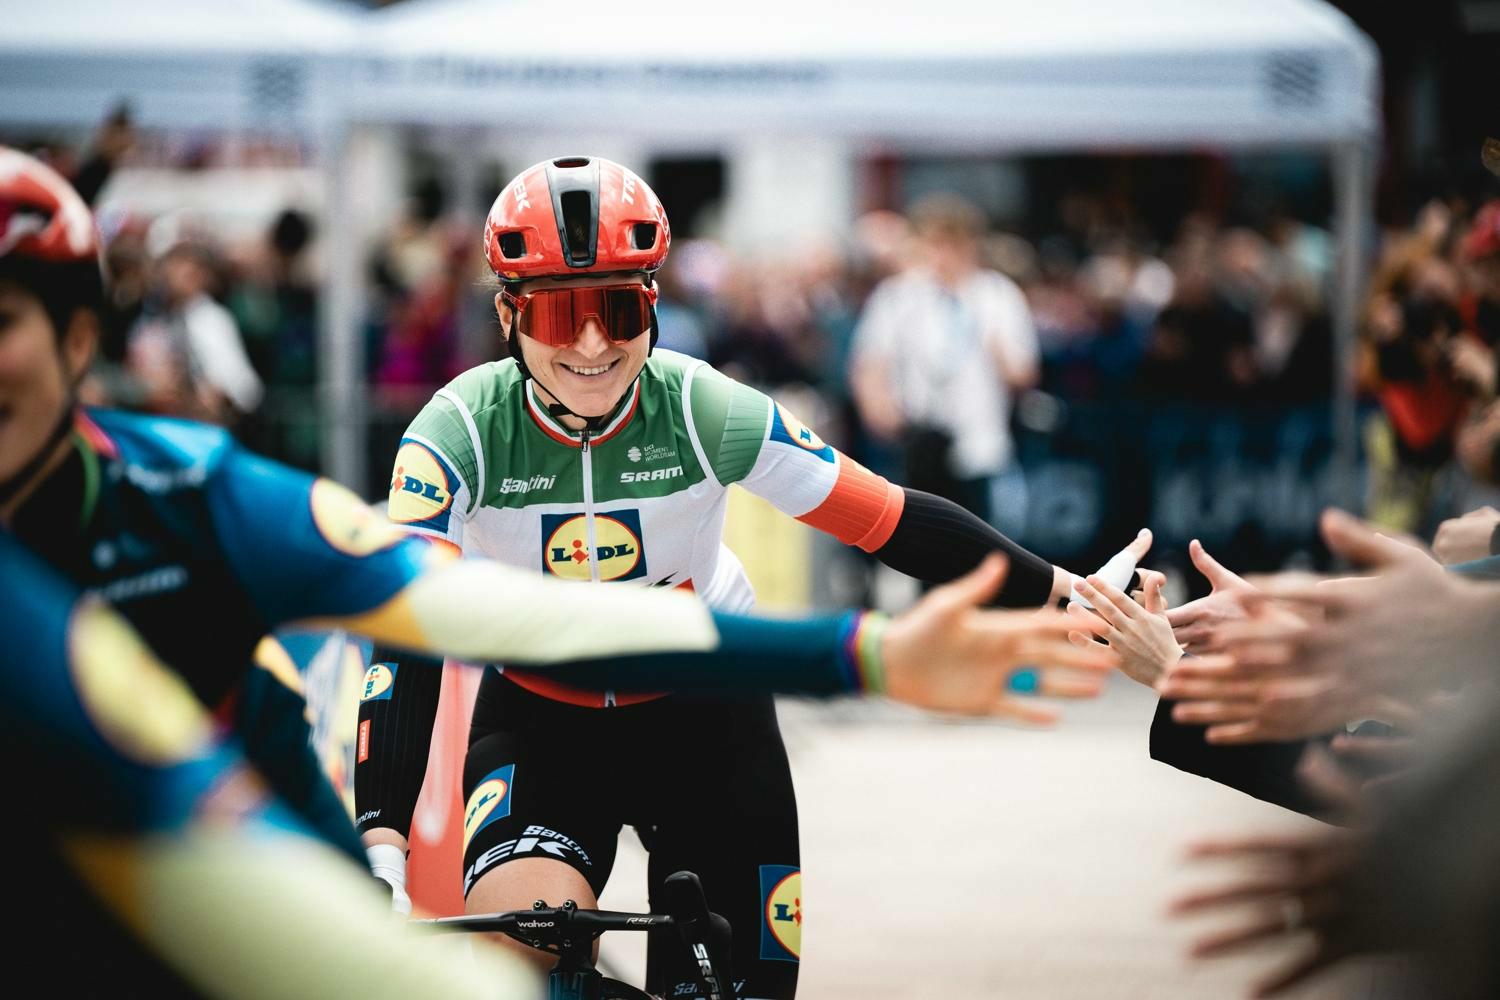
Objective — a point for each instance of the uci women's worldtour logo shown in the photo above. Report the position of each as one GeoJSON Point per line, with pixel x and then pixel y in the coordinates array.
{"type": "Point", "coordinates": [781, 928]}
{"type": "Point", "coordinates": [421, 487]}
{"type": "Point", "coordinates": [617, 546]}
{"type": "Point", "coordinates": [490, 801]}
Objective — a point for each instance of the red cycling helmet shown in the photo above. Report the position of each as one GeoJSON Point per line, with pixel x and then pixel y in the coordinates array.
{"type": "Point", "coordinates": [575, 215]}
{"type": "Point", "coordinates": [41, 216]}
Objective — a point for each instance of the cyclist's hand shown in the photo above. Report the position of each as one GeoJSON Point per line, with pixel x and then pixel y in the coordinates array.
{"type": "Point", "coordinates": [950, 654]}
{"type": "Point", "coordinates": [388, 864]}
{"type": "Point", "coordinates": [1138, 631]}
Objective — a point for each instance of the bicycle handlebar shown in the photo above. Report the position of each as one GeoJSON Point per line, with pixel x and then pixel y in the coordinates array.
{"type": "Point", "coordinates": [547, 922]}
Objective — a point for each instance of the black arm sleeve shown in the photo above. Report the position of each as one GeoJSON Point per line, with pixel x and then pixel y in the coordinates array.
{"type": "Point", "coordinates": [395, 737]}
{"type": "Point", "coordinates": [936, 540]}
{"type": "Point", "coordinates": [1268, 771]}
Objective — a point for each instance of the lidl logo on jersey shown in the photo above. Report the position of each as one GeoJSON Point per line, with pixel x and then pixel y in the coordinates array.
{"type": "Point", "coordinates": [421, 487]}
{"type": "Point", "coordinates": [781, 928]}
{"type": "Point", "coordinates": [489, 802]}
{"type": "Point", "coordinates": [347, 523]}
{"type": "Point", "coordinates": [379, 680]}
{"type": "Point", "coordinates": [617, 546]}
{"type": "Point", "coordinates": [789, 430]}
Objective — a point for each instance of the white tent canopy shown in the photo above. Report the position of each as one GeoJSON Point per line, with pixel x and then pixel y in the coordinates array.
{"type": "Point", "coordinates": [997, 76]}
{"type": "Point", "coordinates": [266, 66]}
{"type": "Point", "coordinates": [1001, 74]}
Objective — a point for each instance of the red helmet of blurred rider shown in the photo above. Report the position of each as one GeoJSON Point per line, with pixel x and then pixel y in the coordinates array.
{"type": "Point", "coordinates": [41, 215]}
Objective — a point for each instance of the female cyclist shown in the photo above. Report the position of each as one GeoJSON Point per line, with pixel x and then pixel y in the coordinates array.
{"type": "Point", "coordinates": [588, 456]}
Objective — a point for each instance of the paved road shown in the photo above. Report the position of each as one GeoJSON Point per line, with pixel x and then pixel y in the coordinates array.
{"type": "Point", "coordinates": [955, 860]}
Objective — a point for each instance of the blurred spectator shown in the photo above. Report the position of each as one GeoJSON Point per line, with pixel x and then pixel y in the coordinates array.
{"type": "Point", "coordinates": [1411, 321]}
{"type": "Point", "coordinates": [939, 353]}
{"type": "Point", "coordinates": [274, 301]}
{"type": "Point", "coordinates": [187, 351]}
{"type": "Point", "coordinates": [680, 325]}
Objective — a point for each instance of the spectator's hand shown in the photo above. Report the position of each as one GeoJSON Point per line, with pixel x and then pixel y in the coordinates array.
{"type": "Point", "coordinates": [1476, 445]}
{"type": "Point", "coordinates": [1135, 629]}
{"type": "Point", "coordinates": [1402, 633]}
{"type": "Point", "coordinates": [1463, 539]}
{"type": "Point", "coordinates": [1294, 884]}
{"type": "Point", "coordinates": [1239, 703]}
{"type": "Point", "coordinates": [1194, 622]}
{"type": "Point", "coordinates": [1473, 365]}
{"type": "Point", "coordinates": [950, 654]}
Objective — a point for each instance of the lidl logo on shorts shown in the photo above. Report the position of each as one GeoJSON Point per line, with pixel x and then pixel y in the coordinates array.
{"type": "Point", "coordinates": [490, 801]}
{"type": "Point", "coordinates": [347, 523]}
{"type": "Point", "coordinates": [421, 487]}
{"type": "Point", "coordinates": [781, 928]}
{"type": "Point", "coordinates": [789, 430]}
{"type": "Point", "coordinates": [378, 682]}
{"type": "Point", "coordinates": [617, 542]}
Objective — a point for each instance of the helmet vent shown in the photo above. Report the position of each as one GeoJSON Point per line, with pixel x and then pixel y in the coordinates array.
{"type": "Point", "coordinates": [578, 227]}
{"type": "Point", "coordinates": [569, 162]}
{"type": "Point", "coordinates": [512, 245]}
{"type": "Point", "coordinates": [643, 235]}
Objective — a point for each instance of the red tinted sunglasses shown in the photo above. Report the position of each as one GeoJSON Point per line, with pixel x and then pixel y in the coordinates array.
{"type": "Point", "coordinates": [554, 316]}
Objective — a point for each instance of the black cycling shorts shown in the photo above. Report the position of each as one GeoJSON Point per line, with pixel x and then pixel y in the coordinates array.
{"type": "Point", "coordinates": [705, 783]}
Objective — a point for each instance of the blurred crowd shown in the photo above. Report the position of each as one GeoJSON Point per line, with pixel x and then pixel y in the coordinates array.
{"type": "Point", "coordinates": [916, 334]}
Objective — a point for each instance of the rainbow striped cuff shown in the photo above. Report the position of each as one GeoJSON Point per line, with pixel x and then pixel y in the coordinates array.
{"type": "Point", "coordinates": [864, 667]}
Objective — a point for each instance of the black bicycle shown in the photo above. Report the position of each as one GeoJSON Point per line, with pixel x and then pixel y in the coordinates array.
{"type": "Point", "coordinates": [569, 933]}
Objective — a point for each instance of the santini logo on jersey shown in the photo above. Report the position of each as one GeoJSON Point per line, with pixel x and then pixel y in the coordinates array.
{"type": "Point", "coordinates": [527, 485]}
{"type": "Point", "coordinates": [651, 475]}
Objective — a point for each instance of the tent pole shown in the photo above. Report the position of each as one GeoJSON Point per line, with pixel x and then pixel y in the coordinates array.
{"type": "Point", "coordinates": [1352, 196]}
{"type": "Point", "coordinates": [342, 396]}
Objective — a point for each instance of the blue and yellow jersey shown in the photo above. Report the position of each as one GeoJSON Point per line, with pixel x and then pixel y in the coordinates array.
{"type": "Point", "coordinates": [127, 790]}
{"type": "Point", "coordinates": [204, 547]}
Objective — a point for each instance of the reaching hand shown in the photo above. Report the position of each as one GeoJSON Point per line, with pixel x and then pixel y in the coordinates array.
{"type": "Point", "coordinates": [1193, 623]}
{"type": "Point", "coordinates": [1463, 539]}
{"type": "Point", "coordinates": [1294, 884]}
{"type": "Point", "coordinates": [1139, 632]}
{"type": "Point", "coordinates": [1402, 633]}
{"type": "Point", "coordinates": [950, 654]}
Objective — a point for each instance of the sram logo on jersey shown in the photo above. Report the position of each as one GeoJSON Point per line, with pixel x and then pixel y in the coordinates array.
{"type": "Point", "coordinates": [651, 475]}
{"type": "Point", "coordinates": [617, 546]}
{"type": "Point", "coordinates": [421, 487]}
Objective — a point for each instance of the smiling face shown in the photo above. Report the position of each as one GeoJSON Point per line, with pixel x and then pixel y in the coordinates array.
{"type": "Point", "coordinates": [36, 374]}
{"type": "Point", "coordinates": [589, 375]}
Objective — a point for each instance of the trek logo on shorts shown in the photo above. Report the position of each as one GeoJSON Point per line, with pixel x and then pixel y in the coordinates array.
{"type": "Point", "coordinates": [421, 487]}
{"type": "Point", "coordinates": [781, 928]}
{"type": "Point", "coordinates": [535, 840]}
{"type": "Point", "coordinates": [490, 801]}
{"type": "Point", "coordinates": [362, 751]}
{"type": "Point", "coordinates": [379, 680]}
{"type": "Point", "coordinates": [789, 430]}
{"type": "Point", "coordinates": [617, 540]}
